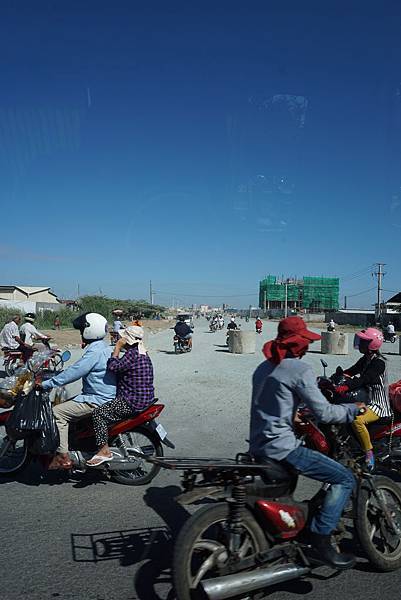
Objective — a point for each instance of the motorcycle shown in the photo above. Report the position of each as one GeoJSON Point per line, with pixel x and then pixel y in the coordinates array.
{"type": "Point", "coordinates": [251, 536]}
{"type": "Point", "coordinates": [389, 337]}
{"type": "Point", "coordinates": [181, 345]}
{"type": "Point", "coordinates": [258, 329]}
{"type": "Point", "coordinates": [126, 438]}
{"type": "Point", "coordinates": [385, 433]}
{"type": "Point", "coordinates": [14, 359]}
{"type": "Point", "coordinates": [213, 326]}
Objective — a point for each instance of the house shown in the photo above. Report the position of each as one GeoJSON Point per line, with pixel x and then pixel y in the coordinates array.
{"type": "Point", "coordinates": [393, 304]}
{"type": "Point", "coordinates": [23, 293]}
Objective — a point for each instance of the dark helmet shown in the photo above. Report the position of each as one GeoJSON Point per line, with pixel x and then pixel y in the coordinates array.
{"type": "Point", "coordinates": [181, 318]}
{"type": "Point", "coordinates": [30, 317]}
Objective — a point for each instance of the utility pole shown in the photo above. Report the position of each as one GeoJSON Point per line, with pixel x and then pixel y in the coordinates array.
{"type": "Point", "coordinates": [78, 290]}
{"type": "Point", "coordinates": [151, 293]}
{"type": "Point", "coordinates": [345, 301]}
{"type": "Point", "coordinates": [264, 300]}
{"type": "Point", "coordinates": [379, 274]}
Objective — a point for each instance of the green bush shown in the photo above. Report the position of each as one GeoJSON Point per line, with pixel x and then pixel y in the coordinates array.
{"type": "Point", "coordinates": [99, 304]}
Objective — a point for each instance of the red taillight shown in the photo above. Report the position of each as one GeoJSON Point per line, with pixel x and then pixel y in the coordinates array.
{"type": "Point", "coordinates": [283, 520]}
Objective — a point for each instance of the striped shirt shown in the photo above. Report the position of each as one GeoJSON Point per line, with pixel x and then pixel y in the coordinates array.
{"type": "Point", "coordinates": [370, 372]}
{"type": "Point", "coordinates": [134, 378]}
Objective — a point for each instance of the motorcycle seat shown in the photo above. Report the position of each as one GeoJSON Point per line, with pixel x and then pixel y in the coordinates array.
{"type": "Point", "coordinates": [274, 471]}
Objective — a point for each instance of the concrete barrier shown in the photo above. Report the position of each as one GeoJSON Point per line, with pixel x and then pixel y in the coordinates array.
{"type": "Point", "coordinates": [241, 342]}
{"type": "Point", "coordinates": [334, 342]}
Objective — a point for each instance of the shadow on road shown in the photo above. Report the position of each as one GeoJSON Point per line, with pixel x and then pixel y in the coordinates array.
{"type": "Point", "coordinates": [151, 546]}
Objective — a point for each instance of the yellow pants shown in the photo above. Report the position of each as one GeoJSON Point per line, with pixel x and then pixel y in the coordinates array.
{"type": "Point", "coordinates": [362, 433]}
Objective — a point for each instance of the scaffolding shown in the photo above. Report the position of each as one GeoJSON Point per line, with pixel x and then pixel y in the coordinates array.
{"type": "Point", "coordinates": [314, 294]}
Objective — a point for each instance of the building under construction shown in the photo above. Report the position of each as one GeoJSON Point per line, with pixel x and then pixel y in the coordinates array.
{"type": "Point", "coordinates": [312, 294]}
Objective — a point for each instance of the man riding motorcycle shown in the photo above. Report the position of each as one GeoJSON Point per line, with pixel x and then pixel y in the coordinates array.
{"type": "Point", "coordinates": [98, 384]}
{"type": "Point", "coordinates": [232, 324]}
{"type": "Point", "coordinates": [280, 384]}
{"type": "Point", "coordinates": [183, 331]}
{"type": "Point", "coordinates": [29, 334]}
{"type": "Point", "coordinates": [258, 325]}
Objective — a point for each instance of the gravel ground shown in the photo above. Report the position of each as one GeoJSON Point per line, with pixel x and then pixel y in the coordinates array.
{"type": "Point", "coordinates": [97, 540]}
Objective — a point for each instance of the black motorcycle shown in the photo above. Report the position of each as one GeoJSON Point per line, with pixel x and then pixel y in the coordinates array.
{"type": "Point", "coordinates": [181, 345]}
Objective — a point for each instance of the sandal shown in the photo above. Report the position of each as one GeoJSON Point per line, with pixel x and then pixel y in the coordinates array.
{"type": "Point", "coordinates": [100, 460]}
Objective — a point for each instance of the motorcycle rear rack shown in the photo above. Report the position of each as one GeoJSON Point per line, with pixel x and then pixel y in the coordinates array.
{"type": "Point", "coordinates": [202, 464]}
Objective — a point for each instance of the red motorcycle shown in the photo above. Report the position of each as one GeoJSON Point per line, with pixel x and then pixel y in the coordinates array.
{"type": "Point", "coordinates": [141, 434]}
{"type": "Point", "coordinates": [385, 434]}
{"type": "Point", "coordinates": [13, 359]}
{"type": "Point", "coordinates": [251, 537]}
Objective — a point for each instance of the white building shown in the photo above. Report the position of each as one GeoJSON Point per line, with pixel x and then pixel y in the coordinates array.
{"type": "Point", "coordinates": [23, 293]}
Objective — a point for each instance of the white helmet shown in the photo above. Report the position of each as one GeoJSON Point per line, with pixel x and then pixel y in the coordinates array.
{"type": "Point", "coordinates": [92, 326]}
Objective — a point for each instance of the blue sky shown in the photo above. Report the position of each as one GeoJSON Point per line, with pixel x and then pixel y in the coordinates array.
{"type": "Point", "coordinates": [200, 145]}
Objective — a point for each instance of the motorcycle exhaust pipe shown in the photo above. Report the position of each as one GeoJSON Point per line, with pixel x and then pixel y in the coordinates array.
{"type": "Point", "coordinates": [222, 588]}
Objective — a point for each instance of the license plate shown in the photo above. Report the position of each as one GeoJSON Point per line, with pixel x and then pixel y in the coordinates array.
{"type": "Point", "coordinates": [161, 431]}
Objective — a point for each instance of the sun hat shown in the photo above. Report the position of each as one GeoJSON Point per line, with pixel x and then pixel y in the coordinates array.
{"type": "Point", "coordinates": [133, 335]}
{"type": "Point", "coordinates": [295, 326]}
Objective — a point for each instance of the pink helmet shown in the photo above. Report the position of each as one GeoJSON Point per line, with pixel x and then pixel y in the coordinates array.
{"type": "Point", "coordinates": [372, 334]}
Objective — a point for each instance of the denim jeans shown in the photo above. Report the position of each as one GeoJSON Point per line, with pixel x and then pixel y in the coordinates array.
{"type": "Point", "coordinates": [318, 466]}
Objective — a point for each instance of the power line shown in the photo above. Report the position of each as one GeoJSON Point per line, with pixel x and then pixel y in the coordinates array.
{"type": "Point", "coordinates": [360, 293]}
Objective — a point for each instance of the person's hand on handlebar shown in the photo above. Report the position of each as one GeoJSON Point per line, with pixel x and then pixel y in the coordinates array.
{"type": "Point", "coordinates": [362, 407]}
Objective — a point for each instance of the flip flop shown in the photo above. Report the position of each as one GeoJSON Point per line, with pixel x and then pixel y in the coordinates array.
{"type": "Point", "coordinates": [100, 459]}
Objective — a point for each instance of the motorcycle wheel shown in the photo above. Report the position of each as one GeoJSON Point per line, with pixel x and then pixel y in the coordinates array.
{"type": "Point", "coordinates": [13, 455]}
{"type": "Point", "coordinates": [201, 548]}
{"type": "Point", "coordinates": [176, 349]}
{"type": "Point", "coordinates": [146, 442]}
{"type": "Point", "coordinates": [10, 367]}
{"type": "Point", "coordinates": [381, 545]}
{"type": "Point", "coordinates": [393, 339]}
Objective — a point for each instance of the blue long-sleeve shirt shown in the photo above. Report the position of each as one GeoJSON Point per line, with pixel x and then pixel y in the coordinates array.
{"type": "Point", "coordinates": [98, 384]}
{"type": "Point", "coordinates": [277, 392]}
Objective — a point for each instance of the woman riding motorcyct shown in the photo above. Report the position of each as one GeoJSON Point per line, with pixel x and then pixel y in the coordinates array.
{"type": "Point", "coordinates": [369, 373]}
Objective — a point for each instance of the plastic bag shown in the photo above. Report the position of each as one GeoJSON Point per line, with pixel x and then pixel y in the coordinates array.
{"type": "Point", "coordinates": [38, 359]}
{"type": "Point", "coordinates": [48, 439]}
{"type": "Point", "coordinates": [394, 391]}
{"type": "Point", "coordinates": [26, 416]}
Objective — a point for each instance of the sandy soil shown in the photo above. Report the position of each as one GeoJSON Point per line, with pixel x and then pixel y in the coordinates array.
{"type": "Point", "coordinates": [70, 337]}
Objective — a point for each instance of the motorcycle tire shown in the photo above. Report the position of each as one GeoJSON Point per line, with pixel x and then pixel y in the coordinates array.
{"type": "Point", "coordinates": [176, 349]}
{"type": "Point", "coordinates": [13, 456]}
{"type": "Point", "coordinates": [393, 339]}
{"type": "Point", "coordinates": [10, 367]}
{"type": "Point", "coordinates": [138, 476]}
{"type": "Point", "coordinates": [384, 553]}
{"type": "Point", "coordinates": [189, 542]}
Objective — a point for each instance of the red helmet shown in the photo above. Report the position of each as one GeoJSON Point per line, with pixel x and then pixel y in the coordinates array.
{"type": "Point", "coordinates": [373, 335]}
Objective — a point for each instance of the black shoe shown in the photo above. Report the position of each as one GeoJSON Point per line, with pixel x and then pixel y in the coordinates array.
{"type": "Point", "coordinates": [324, 551]}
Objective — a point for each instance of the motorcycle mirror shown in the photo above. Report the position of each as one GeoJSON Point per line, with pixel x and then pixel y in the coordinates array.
{"type": "Point", "coordinates": [66, 355]}
{"type": "Point", "coordinates": [324, 363]}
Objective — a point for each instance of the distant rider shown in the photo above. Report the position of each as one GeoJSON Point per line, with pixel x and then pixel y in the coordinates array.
{"type": "Point", "coordinates": [98, 384]}
{"type": "Point", "coordinates": [183, 331]}
{"type": "Point", "coordinates": [331, 326]}
{"type": "Point", "coordinates": [29, 334]}
{"type": "Point", "coordinates": [10, 339]}
{"type": "Point", "coordinates": [280, 384]}
{"type": "Point", "coordinates": [390, 329]}
{"type": "Point", "coordinates": [258, 325]}
{"type": "Point", "coordinates": [232, 324]}
{"type": "Point", "coordinates": [369, 373]}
